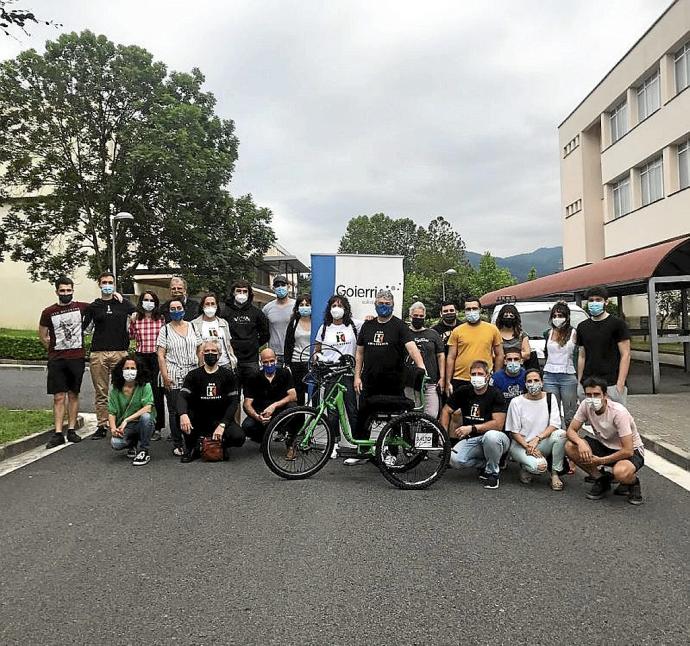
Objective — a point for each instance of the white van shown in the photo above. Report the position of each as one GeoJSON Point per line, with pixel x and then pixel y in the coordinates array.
{"type": "Point", "coordinates": [535, 320]}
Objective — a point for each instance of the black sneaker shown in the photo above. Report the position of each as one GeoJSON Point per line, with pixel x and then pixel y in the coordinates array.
{"type": "Point", "coordinates": [481, 474]}
{"type": "Point", "coordinates": [56, 439]}
{"type": "Point", "coordinates": [491, 481]}
{"type": "Point", "coordinates": [141, 458]}
{"type": "Point", "coordinates": [100, 433]}
{"type": "Point", "coordinates": [72, 436]}
{"type": "Point", "coordinates": [600, 488]}
{"type": "Point", "coordinates": [189, 456]}
{"type": "Point", "coordinates": [131, 452]}
{"type": "Point", "coordinates": [622, 490]}
{"type": "Point", "coordinates": [635, 495]}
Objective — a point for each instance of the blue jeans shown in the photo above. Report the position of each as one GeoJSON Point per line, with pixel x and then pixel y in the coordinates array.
{"type": "Point", "coordinates": [485, 450]}
{"type": "Point", "coordinates": [554, 445]}
{"type": "Point", "coordinates": [140, 430]}
{"type": "Point", "coordinates": [564, 387]}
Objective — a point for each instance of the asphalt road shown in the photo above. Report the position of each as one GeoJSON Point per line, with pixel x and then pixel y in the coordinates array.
{"type": "Point", "coordinates": [26, 388]}
{"type": "Point", "coordinates": [95, 551]}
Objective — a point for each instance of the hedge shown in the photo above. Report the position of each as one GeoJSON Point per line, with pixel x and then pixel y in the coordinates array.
{"type": "Point", "coordinates": [25, 348]}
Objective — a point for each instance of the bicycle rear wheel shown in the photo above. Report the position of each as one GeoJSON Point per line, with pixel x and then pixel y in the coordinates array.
{"type": "Point", "coordinates": [412, 451]}
{"type": "Point", "coordinates": [309, 435]}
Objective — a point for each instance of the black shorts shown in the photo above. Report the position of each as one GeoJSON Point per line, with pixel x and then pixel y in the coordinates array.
{"type": "Point", "coordinates": [601, 451]}
{"type": "Point", "coordinates": [65, 375]}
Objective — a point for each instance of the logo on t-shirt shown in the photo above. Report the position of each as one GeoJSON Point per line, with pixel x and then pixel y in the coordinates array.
{"type": "Point", "coordinates": [378, 338]}
{"type": "Point", "coordinates": [474, 411]}
{"type": "Point", "coordinates": [67, 327]}
{"type": "Point", "coordinates": [108, 310]}
{"type": "Point", "coordinates": [211, 390]}
{"type": "Point", "coordinates": [340, 337]}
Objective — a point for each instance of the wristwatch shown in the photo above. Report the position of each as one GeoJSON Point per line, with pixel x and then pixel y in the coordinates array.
{"type": "Point", "coordinates": [222, 424]}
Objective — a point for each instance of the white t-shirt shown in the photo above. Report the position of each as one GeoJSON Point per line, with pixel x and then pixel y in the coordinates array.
{"type": "Point", "coordinates": [211, 330]}
{"type": "Point", "coordinates": [302, 342]}
{"type": "Point", "coordinates": [560, 357]}
{"type": "Point", "coordinates": [530, 417]}
{"type": "Point", "coordinates": [343, 337]}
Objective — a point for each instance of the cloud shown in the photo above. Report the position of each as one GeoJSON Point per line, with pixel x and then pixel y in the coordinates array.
{"type": "Point", "coordinates": [413, 109]}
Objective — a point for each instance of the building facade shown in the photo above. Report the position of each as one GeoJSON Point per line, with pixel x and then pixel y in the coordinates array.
{"type": "Point", "coordinates": [625, 149]}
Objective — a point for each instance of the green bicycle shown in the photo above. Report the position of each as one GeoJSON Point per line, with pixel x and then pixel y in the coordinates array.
{"type": "Point", "coordinates": [412, 449]}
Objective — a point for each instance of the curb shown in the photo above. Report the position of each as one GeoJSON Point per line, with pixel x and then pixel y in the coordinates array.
{"type": "Point", "coordinates": [667, 451]}
{"type": "Point", "coordinates": [14, 448]}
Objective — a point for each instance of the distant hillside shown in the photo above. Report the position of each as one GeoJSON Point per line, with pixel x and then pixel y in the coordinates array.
{"type": "Point", "coordinates": [546, 260]}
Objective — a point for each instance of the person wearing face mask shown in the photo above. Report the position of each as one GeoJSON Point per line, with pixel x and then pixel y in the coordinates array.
{"type": "Point", "coordinates": [209, 326]}
{"type": "Point", "coordinates": [279, 312]}
{"type": "Point", "coordinates": [207, 404]}
{"type": "Point", "coordinates": [177, 354]}
{"type": "Point", "coordinates": [615, 452]}
{"type": "Point", "coordinates": [110, 316]}
{"type": "Point", "coordinates": [534, 423]}
{"type": "Point", "coordinates": [268, 393]}
{"type": "Point", "coordinates": [431, 348]}
{"type": "Point", "coordinates": [382, 347]}
{"type": "Point", "coordinates": [604, 346]}
{"type": "Point", "coordinates": [131, 416]}
{"type": "Point", "coordinates": [144, 329]}
{"type": "Point", "coordinates": [297, 344]}
{"type": "Point", "coordinates": [509, 324]}
{"type": "Point", "coordinates": [475, 415]}
{"type": "Point", "coordinates": [449, 321]}
{"type": "Point", "coordinates": [510, 380]}
{"type": "Point", "coordinates": [474, 340]}
{"type": "Point", "coordinates": [178, 292]}
{"type": "Point", "coordinates": [60, 332]}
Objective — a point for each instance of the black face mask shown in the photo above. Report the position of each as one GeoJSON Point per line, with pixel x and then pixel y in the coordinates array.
{"type": "Point", "coordinates": [508, 322]}
{"type": "Point", "coordinates": [65, 298]}
{"type": "Point", "coordinates": [210, 358]}
{"type": "Point", "coordinates": [417, 323]}
{"type": "Point", "coordinates": [449, 318]}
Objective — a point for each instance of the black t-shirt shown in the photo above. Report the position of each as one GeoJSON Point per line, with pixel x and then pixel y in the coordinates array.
{"type": "Point", "coordinates": [110, 331]}
{"type": "Point", "coordinates": [209, 398]}
{"type": "Point", "coordinates": [477, 409]}
{"type": "Point", "coordinates": [444, 332]}
{"type": "Point", "coordinates": [191, 309]}
{"type": "Point", "coordinates": [265, 392]}
{"type": "Point", "coordinates": [430, 346]}
{"type": "Point", "coordinates": [600, 340]}
{"type": "Point", "coordinates": [384, 353]}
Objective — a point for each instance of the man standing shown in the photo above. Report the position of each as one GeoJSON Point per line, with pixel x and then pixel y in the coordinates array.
{"type": "Point", "coordinates": [604, 347]}
{"type": "Point", "coordinates": [60, 332]}
{"type": "Point", "coordinates": [207, 404]}
{"type": "Point", "coordinates": [279, 312]}
{"type": "Point", "coordinates": [475, 340]}
{"type": "Point", "coordinates": [178, 292]}
{"type": "Point", "coordinates": [109, 344]}
{"type": "Point", "coordinates": [382, 346]}
{"type": "Point", "coordinates": [449, 321]}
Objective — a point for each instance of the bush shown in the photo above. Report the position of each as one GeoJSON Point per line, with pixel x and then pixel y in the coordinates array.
{"type": "Point", "coordinates": [25, 348]}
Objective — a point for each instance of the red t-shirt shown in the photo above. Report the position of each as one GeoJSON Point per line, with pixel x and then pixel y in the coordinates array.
{"type": "Point", "coordinates": [64, 323]}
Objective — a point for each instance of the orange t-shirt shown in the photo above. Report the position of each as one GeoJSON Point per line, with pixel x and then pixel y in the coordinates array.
{"type": "Point", "coordinates": [473, 343]}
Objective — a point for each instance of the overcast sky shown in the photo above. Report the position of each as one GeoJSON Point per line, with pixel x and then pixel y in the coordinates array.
{"type": "Point", "coordinates": [416, 109]}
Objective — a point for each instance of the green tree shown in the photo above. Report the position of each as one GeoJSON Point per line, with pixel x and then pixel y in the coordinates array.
{"type": "Point", "coordinates": [91, 128]}
{"type": "Point", "coordinates": [489, 276]}
{"type": "Point", "coordinates": [668, 305]}
{"type": "Point", "coordinates": [532, 274]}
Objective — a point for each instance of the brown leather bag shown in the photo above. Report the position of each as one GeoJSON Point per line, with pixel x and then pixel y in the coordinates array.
{"type": "Point", "coordinates": [211, 450]}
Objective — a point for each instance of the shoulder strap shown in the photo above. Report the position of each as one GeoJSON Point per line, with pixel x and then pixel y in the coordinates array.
{"type": "Point", "coordinates": [548, 404]}
{"type": "Point", "coordinates": [354, 327]}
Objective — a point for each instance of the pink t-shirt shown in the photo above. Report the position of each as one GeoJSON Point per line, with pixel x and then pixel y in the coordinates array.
{"type": "Point", "coordinates": [614, 423]}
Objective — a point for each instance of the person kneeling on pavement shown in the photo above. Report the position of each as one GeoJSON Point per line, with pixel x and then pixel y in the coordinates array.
{"type": "Point", "coordinates": [267, 393]}
{"type": "Point", "coordinates": [478, 413]}
{"type": "Point", "coordinates": [131, 415]}
{"type": "Point", "coordinates": [207, 405]}
{"type": "Point", "coordinates": [534, 421]}
{"type": "Point", "coordinates": [615, 452]}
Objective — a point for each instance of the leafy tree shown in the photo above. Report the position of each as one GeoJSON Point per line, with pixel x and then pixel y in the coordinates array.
{"type": "Point", "coordinates": [489, 276]}
{"type": "Point", "coordinates": [668, 305]}
{"type": "Point", "coordinates": [17, 18]}
{"type": "Point", "coordinates": [439, 248]}
{"type": "Point", "coordinates": [91, 128]}
{"type": "Point", "coordinates": [532, 274]}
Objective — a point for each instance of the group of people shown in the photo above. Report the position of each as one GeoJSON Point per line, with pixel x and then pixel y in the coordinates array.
{"type": "Point", "coordinates": [483, 382]}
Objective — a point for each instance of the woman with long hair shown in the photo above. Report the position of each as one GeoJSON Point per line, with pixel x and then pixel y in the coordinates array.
{"type": "Point", "coordinates": [209, 326]}
{"type": "Point", "coordinates": [297, 342]}
{"type": "Point", "coordinates": [509, 324]}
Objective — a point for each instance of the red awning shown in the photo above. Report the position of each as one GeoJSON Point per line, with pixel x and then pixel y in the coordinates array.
{"type": "Point", "coordinates": [626, 270]}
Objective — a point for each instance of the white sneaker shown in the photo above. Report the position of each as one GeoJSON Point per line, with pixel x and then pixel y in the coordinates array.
{"type": "Point", "coordinates": [350, 462]}
{"type": "Point", "coordinates": [334, 454]}
{"type": "Point", "coordinates": [388, 459]}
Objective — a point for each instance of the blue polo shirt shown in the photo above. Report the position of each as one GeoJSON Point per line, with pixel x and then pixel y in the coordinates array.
{"type": "Point", "coordinates": [510, 386]}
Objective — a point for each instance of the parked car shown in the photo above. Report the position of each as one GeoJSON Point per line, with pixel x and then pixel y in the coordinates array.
{"type": "Point", "coordinates": [535, 320]}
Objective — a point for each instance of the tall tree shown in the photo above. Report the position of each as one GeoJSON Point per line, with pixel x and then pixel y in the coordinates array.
{"type": "Point", "coordinates": [489, 276]}
{"type": "Point", "coordinates": [439, 248]}
{"type": "Point", "coordinates": [532, 274]}
{"type": "Point", "coordinates": [91, 128]}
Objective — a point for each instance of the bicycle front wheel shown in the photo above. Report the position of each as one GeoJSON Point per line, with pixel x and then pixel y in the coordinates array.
{"type": "Point", "coordinates": [412, 451]}
{"type": "Point", "coordinates": [298, 443]}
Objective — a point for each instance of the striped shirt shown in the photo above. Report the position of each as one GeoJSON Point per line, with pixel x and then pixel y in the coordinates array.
{"type": "Point", "coordinates": [180, 352]}
{"type": "Point", "coordinates": [145, 332]}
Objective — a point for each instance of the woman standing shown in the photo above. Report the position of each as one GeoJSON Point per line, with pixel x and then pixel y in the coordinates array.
{"type": "Point", "coordinates": [509, 325]}
{"type": "Point", "coordinates": [208, 326]}
{"type": "Point", "coordinates": [177, 354]}
{"type": "Point", "coordinates": [144, 329]}
{"type": "Point", "coordinates": [297, 342]}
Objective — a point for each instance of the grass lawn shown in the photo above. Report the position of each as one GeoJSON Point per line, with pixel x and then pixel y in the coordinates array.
{"type": "Point", "coordinates": [669, 348]}
{"type": "Point", "coordinates": [19, 423]}
{"type": "Point", "coordinates": [20, 334]}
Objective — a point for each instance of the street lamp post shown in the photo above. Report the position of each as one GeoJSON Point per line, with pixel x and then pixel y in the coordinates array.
{"type": "Point", "coordinates": [448, 272]}
{"type": "Point", "coordinates": [114, 219]}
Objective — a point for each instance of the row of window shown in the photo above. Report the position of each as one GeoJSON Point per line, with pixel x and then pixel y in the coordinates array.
{"type": "Point", "coordinates": [571, 145]}
{"type": "Point", "coordinates": [573, 208]}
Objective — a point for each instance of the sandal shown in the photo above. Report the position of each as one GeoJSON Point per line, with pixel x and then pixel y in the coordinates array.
{"type": "Point", "coordinates": [556, 483]}
{"type": "Point", "coordinates": [291, 454]}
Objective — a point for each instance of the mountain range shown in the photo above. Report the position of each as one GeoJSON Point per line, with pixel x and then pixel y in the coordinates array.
{"type": "Point", "coordinates": [546, 260]}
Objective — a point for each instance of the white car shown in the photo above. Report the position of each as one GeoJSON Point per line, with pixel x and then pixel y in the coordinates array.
{"type": "Point", "coordinates": [535, 320]}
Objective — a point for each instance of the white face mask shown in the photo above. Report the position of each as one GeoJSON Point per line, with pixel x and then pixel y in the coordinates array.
{"type": "Point", "coordinates": [557, 321]}
{"type": "Point", "coordinates": [337, 313]}
{"type": "Point", "coordinates": [478, 381]}
{"type": "Point", "coordinates": [148, 306]}
{"type": "Point", "coordinates": [472, 316]}
{"type": "Point", "coordinates": [595, 402]}
{"type": "Point", "coordinates": [129, 374]}
{"type": "Point", "coordinates": [210, 311]}
{"type": "Point", "coordinates": [534, 388]}
{"type": "Point", "coordinates": [241, 299]}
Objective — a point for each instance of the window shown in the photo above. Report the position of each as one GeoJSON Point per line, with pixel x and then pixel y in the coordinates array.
{"type": "Point", "coordinates": [684, 164]}
{"type": "Point", "coordinates": [648, 97]}
{"type": "Point", "coordinates": [683, 67]}
{"type": "Point", "coordinates": [621, 197]}
{"type": "Point", "coordinates": [652, 180]}
{"type": "Point", "coordinates": [618, 118]}
{"type": "Point", "coordinates": [571, 145]}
